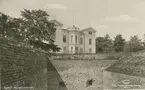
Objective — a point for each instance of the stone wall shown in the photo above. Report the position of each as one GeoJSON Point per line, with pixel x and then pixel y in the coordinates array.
{"type": "Point", "coordinates": [113, 80]}
{"type": "Point", "coordinates": [86, 56]}
{"type": "Point", "coordinates": [18, 63]}
{"type": "Point", "coordinates": [82, 74]}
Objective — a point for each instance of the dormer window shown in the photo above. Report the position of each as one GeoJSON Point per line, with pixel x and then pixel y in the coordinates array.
{"type": "Point", "coordinates": [90, 32]}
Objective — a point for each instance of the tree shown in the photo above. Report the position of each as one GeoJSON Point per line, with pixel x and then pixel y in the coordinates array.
{"type": "Point", "coordinates": [108, 44]}
{"type": "Point", "coordinates": [34, 28]}
{"type": "Point", "coordinates": [134, 44]}
{"type": "Point", "coordinates": [127, 47]}
{"type": "Point", "coordinates": [37, 25]}
{"type": "Point", "coordinates": [103, 44]}
{"type": "Point", "coordinates": [9, 27]}
{"type": "Point", "coordinates": [99, 44]}
{"type": "Point", "coordinates": [4, 25]}
{"type": "Point", "coordinates": [119, 43]}
{"type": "Point", "coordinates": [143, 40]}
{"type": "Point", "coordinates": [38, 30]}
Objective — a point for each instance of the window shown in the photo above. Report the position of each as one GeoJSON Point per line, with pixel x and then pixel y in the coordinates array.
{"type": "Point", "coordinates": [90, 50]}
{"type": "Point", "coordinates": [64, 38]}
{"type": "Point", "coordinates": [81, 40]}
{"type": "Point", "coordinates": [76, 39]}
{"type": "Point", "coordinates": [64, 49]}
{"type": "Point", "coordinates": [90, 41]}
{"type": "Point", "coordinates": [76, 49]}
{"type": "Point", "coordinates": [71, 38]}
{"type": "Point", "coordinates": [71, 49]}
{"type": "Point", "coordinates": [90, 33]}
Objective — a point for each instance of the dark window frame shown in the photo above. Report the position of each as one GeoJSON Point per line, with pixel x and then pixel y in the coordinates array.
{"type": "Point", "coordinates": [90, 41]}
{"type": "Point", "coordinates": [81, 40]}
{"type": "Point", "coordinates": [76, 39]}
{"type": "Point", "coordinates": [64, 38]}
{"type": "Point", "coordinates": [71, 38]}
{"type": "Point", "coordinates": [71, 49]}
{"type": "Point", "coordinates": [90, 32]}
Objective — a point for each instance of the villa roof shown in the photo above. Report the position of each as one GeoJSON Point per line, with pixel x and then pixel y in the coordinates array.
{"type": "Point", "coordinates": [73, 28]}
{"type": "Point", "coordinates": [133, 65]}
{"type": "Point", "coordinates": [56, 23]}
{"type": "Point", "coordinates": [89, 29]}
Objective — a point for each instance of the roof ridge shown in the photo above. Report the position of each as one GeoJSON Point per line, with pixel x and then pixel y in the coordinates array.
{"type": "Point", "coordinates": [88, 29]}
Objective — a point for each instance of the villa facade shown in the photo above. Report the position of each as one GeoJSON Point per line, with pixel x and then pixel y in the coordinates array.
{"type": "Point", "coordinates": [74, 40]}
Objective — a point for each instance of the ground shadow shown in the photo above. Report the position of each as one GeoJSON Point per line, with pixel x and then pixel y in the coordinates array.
{"type": "Point", "coordinates": [54, 81]}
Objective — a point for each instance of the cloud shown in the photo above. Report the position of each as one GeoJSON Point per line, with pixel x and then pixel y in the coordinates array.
{"type": "Point", "coordinates": [121, 18]}
{"type": "Point", "coordinates": [55, 6]}
{"type": "Point", "coordinates": [98, 26]}
{"type": "Point", "coordinates": [101, 26]}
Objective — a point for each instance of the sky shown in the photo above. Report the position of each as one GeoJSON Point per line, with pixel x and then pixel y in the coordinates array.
{"type": "Point", "coordinates": [126, 17]}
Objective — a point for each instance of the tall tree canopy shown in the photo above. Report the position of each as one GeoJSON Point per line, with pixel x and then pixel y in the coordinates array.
{"type": "Point", "coordinates": [108, 43]}
{"type": "Point", "coordinates": [119, 43]}
{"type": "Point", "coordinates": [134, 44]}
{"type": "Point", "coordinates": [5, 25]}
{"type": "Point", "coordinates": [33, 28]}
{"type": "Point", "coordinates": [38, 29]}
{"type": "Point", "coordinates": [104, 44]}
{"type": "Point", "coordinates": [99, 44]}
{"type": "Point", "coordinates": [37, 26]}
{"type": "Point", "coordinates": [9, 27]}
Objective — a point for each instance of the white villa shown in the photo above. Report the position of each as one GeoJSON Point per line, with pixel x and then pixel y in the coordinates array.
{"type": "Point", "coordinates": [74, 40]}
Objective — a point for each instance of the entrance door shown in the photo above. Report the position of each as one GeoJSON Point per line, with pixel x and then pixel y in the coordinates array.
{"type": "Point", "coordinates": [90, 50]}
{"type": "Point", "coordinates": [81, 50]}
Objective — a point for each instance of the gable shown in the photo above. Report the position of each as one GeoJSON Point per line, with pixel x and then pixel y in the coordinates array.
{"type": "Point", "coordinates": [89, 29]}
